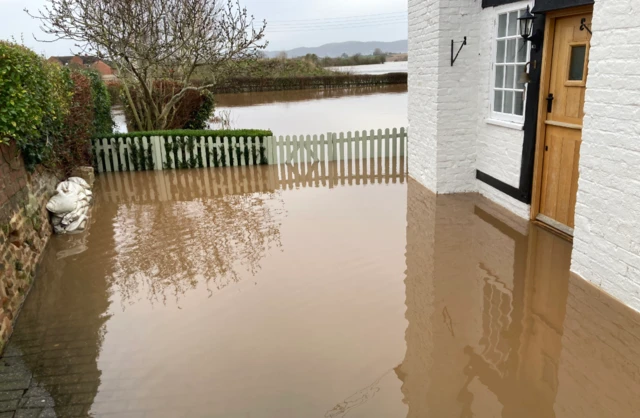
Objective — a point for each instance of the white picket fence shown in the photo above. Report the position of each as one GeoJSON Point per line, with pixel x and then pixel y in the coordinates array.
{"type": "Point", "coordinates": [157, 152]}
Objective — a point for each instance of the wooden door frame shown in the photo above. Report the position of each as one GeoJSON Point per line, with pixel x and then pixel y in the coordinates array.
{"type": "Point", "coordinates": [545, 79]}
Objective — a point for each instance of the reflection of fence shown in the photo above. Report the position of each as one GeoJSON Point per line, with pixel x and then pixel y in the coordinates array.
{"type": "Point", "coordinates": [157, 153]}
{"type": "Point", "coordinates": [177, 185]}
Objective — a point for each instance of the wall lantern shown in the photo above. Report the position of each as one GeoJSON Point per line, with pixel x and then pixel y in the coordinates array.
{"type": "Point", "coordinates": [526, 29]}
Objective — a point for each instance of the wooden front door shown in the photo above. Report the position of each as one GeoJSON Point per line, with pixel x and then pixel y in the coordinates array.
{"type": "Point", "coordinates": [564, 106]}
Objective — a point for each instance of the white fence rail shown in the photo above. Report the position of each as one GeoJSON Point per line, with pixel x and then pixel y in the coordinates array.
{"type": "Point", "coordinates": [159, 152]}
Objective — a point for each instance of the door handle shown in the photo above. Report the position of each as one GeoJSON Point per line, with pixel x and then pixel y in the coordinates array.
{"type": "Point", "coordinates": [550, 102]}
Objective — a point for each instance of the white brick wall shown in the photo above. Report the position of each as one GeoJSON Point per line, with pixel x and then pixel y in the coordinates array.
{"type": "Point", "coordinates": [449, 106]}
{"type": "Point", "coordinates": [423, 84]}
{"type": "Point", "coordinates": [607, 228]}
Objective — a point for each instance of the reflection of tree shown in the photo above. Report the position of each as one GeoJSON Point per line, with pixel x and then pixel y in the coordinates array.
{"type": "Point", "coordinates": [170, 247]}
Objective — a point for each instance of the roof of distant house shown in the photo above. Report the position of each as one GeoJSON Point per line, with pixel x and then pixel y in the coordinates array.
{"type": "Point", "coordinates": [86, 59]}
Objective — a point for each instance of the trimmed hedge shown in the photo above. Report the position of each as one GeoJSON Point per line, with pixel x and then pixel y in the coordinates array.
{"type": "Point", "coordinates": [193, 132]}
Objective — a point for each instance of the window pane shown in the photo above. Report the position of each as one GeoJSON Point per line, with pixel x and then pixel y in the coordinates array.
{"type": "Point", "coordinates": [497, 101]}
{"type": "Point", "coordinates": [576, 68]}
{"type": "Point", "coordinates": [519, 72]}
{"type": "Point", "coordinates": [519, 97]}
{"type": "Point", "coordinates": [508, 80]}
{"type": "Point", "coordinates": [522, 50]}
{"type": "Point", "coordinates": [513, 24]}
{"type": "Point", "coordinates": [499, 76]}
{"type": "Point", "coordinates": [508, 102]}
{"type": "Point", "coordinates": [500, 51]}
{"type": "Point", "coordinates": [502, 26]}
{"type": "Point", "coordinates": [511, 50]}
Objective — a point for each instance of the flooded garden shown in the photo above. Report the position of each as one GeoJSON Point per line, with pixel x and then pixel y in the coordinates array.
{"type": "Point", "coordinates": [312, 290]}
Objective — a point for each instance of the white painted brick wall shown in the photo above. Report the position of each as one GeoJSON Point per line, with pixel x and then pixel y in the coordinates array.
{"type": "Point", "coordinates": [449, 106]}
{"type": "Point", "coordinates": [423, 84]}
{"type": "Point", "coordinates": [607, 227]}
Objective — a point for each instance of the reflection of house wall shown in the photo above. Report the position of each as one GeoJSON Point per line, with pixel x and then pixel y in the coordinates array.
{"type": "Point", "coordinates": [599, 367]}
{"type": "Point", "coordinates": [484, 327]}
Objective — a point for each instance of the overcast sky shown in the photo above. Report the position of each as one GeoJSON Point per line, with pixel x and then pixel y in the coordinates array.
{"type": "Point", "coordinates": [291, 23]}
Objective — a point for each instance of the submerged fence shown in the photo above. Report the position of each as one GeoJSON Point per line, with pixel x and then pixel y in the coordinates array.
{"type": "Point", "coordinates": [166, 152]}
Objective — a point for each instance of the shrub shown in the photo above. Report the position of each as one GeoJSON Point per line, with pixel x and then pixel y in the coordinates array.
{"type": "Point", "coordinates": [102, 122]}
{"type": "Point", "coordinates": [192, 112]}
{"type": "Point", "coordinates": [50, 111]}
{"type": "Point", "coordinates": [200, 115]}
{"type": "Point", "coordinates": [74, 149]}
{"type": "Point", "coordinates": [115, 92]}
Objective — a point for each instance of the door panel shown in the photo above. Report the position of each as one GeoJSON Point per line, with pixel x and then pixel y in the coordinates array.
{"type": "Point", "coordinates": [563, 124]}
{"type": "Point", "coordinates": [560, 181]}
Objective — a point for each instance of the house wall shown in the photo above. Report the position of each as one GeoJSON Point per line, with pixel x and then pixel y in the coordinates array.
{"type": "Point", "coordinates": [102, 68]}
{"type": "Point", "coordinates": [607, 226]}
{"type": "Point", "coordinates": [449, 105]}
{"type": "Point", "coordinates": [498, 146]}
{"type": "Point", "coordinates": [424, 22]}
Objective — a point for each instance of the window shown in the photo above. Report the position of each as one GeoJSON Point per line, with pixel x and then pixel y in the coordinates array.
{"type": "Point", "coordinates": [511, 57]}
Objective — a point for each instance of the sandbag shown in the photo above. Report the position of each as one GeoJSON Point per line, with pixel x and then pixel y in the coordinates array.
{"type": "Point", "coordinates": [62, 203]}
{"type": "Point", "coordinates": [69, 187]}
{"type": "Point", "coordinates": [70, 206]}
{"type": "Point", "coordinates": [79, 181]}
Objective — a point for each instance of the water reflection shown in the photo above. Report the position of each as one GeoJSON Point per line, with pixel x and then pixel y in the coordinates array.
{"type": "Point", "coordinates": [216, 238]}
{"type": "Point", "coordinates": [497, 327]}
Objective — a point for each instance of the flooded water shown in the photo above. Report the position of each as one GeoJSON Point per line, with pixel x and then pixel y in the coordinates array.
{"type": "Point", "coordinates": [311, 291]}
{"type": "Point", "coordinates": [308, 112]}
{"type": "Point", "coordinates": [387, 67]}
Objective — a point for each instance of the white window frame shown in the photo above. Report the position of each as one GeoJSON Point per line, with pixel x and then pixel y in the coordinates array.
{"type": "Point", "coordinates": [500, 118]}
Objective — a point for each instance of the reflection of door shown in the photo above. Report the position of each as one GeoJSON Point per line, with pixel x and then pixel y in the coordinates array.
{"type": "Point", "coordinates": [563, 120]}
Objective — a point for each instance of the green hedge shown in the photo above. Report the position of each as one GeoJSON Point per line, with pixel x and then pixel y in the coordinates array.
{"type": "Point", "coordinates": [41, 110]}
{"type": "Point", "coordinates": [192, 132]}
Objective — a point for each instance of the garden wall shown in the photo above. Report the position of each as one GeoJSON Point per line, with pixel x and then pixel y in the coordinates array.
{"type": "Point", "coordinates": [24, 231]}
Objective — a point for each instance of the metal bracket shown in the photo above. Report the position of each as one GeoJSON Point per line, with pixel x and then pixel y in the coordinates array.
{"type": "Point", "coordinates": [453, 59]}
{"type": "Point", "coordinates": [583, 25]}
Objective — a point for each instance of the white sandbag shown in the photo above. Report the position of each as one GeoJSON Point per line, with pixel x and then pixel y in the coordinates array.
{"type": "Point", "coordinates": [62, 203]}
{"type": "Point", "coordinates": [69, 187]}
{"type": "Point", "coordinates": [79, 181]}
{"type": "Point", "coordinates": [74, 226]}
{"type": "Point", "coordinates": [70, 206]}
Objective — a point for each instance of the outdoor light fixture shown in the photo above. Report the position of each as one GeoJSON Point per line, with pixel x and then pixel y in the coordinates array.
{"type": "Point", "coordinates": [526, 29]}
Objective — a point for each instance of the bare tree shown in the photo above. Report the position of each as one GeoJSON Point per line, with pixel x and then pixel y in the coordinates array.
{"type": "Point", "coordinates": [152, 40]}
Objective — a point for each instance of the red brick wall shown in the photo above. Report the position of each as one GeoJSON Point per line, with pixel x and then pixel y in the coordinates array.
{"type": "Point", "coordinates": [24, 231]}
{"type": "Point", "coordinates": [102, 68]}
{"type": "Point", "coordinates": [13, 176]}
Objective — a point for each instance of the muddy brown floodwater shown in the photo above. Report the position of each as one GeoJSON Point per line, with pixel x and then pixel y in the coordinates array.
{"type": "Point", "coordinates": [306, 291]}
{"type": "Point", "coordinates": [315, 111]}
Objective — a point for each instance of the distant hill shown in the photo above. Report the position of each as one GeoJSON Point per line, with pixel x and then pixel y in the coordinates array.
{"type": "Point", "coordinates": [349, 48]}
